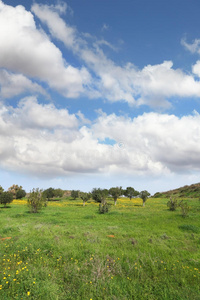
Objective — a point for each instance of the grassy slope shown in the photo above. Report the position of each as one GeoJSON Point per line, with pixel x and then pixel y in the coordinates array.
{"type": "Point", "coordinates": [65, 252]}
{"type": "Point", "coordinates": [191, 191]}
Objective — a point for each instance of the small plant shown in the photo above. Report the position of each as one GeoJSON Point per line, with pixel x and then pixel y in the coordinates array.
{"type": "Point", "coordinates": [104, 208]}
{"type": "Point", "coordinates": [36, 200]}
{"type": "Point", "coordinates": [173, 204]}
{"type": "Point", "coordinates": [184, 209]}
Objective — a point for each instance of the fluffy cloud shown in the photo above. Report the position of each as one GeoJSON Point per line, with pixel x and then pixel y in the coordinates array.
{"type": "Point", "coordinates": [155, 142]}
{"type": "Point", "coordinates": [55, 143]}
{"type": "Point", "coordinates": [28, 50]}
{"type": "Point", "coordinates": [15, 84]}
{"type": "Point", "coordinates": [153, 85]}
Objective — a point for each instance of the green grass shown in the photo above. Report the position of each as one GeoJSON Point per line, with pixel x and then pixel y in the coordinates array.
{"type": "Point", "coordinates": [68, 251]}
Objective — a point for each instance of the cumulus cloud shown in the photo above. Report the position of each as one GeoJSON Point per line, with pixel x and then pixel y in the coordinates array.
{"type": "Point", "coordinates": [28, 50]}
{"type": "Point", "coordinates": [57, 143]}
{"type": "Point", "coordinates": [158, 142]}
{"type": "Point", "coordinates": [196, 68]}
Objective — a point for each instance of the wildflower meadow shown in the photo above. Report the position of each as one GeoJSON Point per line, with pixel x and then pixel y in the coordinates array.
{"type": "Point", "coordinates": [70, 251]}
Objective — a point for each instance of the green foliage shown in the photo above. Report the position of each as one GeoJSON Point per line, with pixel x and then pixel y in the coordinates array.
{"type": "Point", "coordinates": [6, 197]}
{"type": "Point", "coordinates": [75, 194]}
{"type": "Point", "coordinates": [14, 189]}
{"type": "Point", "coordinates": [48, 193]}
{"type": "Point", "coordinates": [58, 193]}
{"type": "Point", "coordinates": [36, 200]}
{"type": "Point", "coordinates": [190, 227]}
{"type": "Point", "coordinates": [173, 204]}
{"type": "Point", "coordinates": [103, 208]}
{"type": "Point", "coordinates": [85, 197]}
{"type": "Point", "coordinates": [158, 195]}
{"type": "Point", "coordinates": [99, 195]}
{"type": "Point", "coordinates": [144, 195]}
{"type": "Point", "coordinates": [184, 209]}
{"type": "Point", "coordinates": [130, 192]}
{"type": "Point", "coordinates": [115, 192]}
{"type": "Point", "coordinates": [1, 190]}
{"type": "Point", "coordinates": [20, 194]}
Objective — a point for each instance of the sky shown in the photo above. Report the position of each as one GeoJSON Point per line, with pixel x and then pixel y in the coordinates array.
{"type": "Point", "coordinates": [100, 93]}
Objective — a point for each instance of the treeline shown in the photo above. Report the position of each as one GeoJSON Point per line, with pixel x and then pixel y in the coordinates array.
{"type": "Point", "coordinates": [97, 194]}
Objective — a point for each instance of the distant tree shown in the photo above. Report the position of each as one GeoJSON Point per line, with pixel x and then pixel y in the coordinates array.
{"type": "Point", "coordinates": [6, 197]}
{"type": "Point", "coordinates": [144, 195]}
{"type": "Point", "coordinates": [115, 192]}
{"type": "Point", "coordinates": [20, 194]}
{"type": "Point", "coordinates": [75, 194]}
{"type": "Point", "coordinates": [48, 193]}
{"type": "Point", "coordinates": [36, 200]}
{"type": "Point", "coordinates": [85, 197]}
{"type": "Point", "coordinates": [130, 192]}
{"type": "Point", "coordinates": [58, 193]}
{"type": "Point", "coordinates": [14, 189]}
{"type": "Point", "coordinates": [157, 195]}
{"type": "Point", "coordinates": [99, 195]}
{"type": "Point", "coordinates": [1, 190]}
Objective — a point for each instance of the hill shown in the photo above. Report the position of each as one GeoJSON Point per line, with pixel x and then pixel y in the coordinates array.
{"type": "Point", "coordinates": [192, 191]}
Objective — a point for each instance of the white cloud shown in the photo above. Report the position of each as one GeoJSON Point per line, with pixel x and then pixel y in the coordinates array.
{"type": "Point", "coordinates": [196, 68]}
{"type": "Point", "coordinates": [15, 84]}
{"type": "Point", "coordinates": [55, 143]}
{"type": "Point", "coordinates": [194, 47]}
{"type": "Point", "coordinates": [153, 85]}
{"type": "Point", "coordinates": [105, 27]}
{"type": "Point", "coordinates": [28, 50]}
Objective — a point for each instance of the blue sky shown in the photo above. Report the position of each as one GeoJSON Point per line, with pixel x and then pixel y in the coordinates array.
{"type": "Point", "coordinates": [99, 94]}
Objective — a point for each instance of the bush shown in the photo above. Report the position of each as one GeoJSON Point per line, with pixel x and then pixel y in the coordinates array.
{"type": "Point", "coordinates": [184, 209]}
{"type": "Point", "coordinates": [6, 197]}
{"type": "Point", "coordinates": [36, 200]}
{"type": "Point", "coordinates": [104, 208]}
{"type": "Point", "coordinates": [172, 204]}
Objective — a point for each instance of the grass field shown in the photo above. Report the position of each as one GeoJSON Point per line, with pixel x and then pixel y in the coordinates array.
{"type": "Point", "coordinates": [68, 251]}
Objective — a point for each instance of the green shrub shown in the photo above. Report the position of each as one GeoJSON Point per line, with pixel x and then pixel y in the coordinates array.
{"type": "Point", "coordinates": [6, 197]}
{"type": "Point", "coordinates": [36, 200]}
{"type": "Point", "coordinates": [173, 204]}
{"type": "Point", "coordinates": [104, 208]}
{"type": "Point", "coordinates": [184, 209]}
{"type": "Point", "coordinates": [189, 227]}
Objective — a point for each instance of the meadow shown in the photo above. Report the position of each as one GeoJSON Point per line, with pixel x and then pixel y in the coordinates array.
{"type": "Point", "coordinates": [67, 251]}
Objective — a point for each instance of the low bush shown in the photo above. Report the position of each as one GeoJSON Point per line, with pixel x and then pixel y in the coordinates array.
{"type": "Point", "coordinates": [104, 208]}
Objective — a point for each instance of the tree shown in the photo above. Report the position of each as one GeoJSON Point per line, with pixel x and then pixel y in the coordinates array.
{"type": "Point", "coordinates": [6, 197]}
{"type": "Point", "coordinates": [99, 195]}
{"type": "Point", "coordinates": [85, 197]}
{"type": "Point", "coordinates": [115, 192]}
{"type": "Point", "coordinates": [144, 195]}
{"type": "Point", "coordinates": [48, 193]}
{"type": "Point", "coordinates": [36, 200]}
{"type": "Point", "coordinates": [130, 192]}
{"type": "Point", "coordinates": [75, 194]}
{"type": "Point", "coordinates": [13, 189]}
{"type": "Point", "coordinates": [20, 194]}
{"type": "Point", "coordinates": [1, 190]}
{"type": "Point", "coordinates": [58, 193]}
